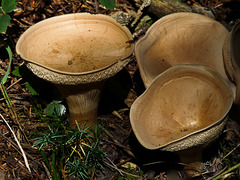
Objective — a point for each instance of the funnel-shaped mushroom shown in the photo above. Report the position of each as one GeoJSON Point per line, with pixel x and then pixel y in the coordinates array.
{"type": "Point", "coordinates": [231, 54]}
{"type": "Point", "coordinates": [181, 38]}
{"type": "Point", "coordinates": [183, 110]}
{"type": "Point", "coordinates": [77, 53]}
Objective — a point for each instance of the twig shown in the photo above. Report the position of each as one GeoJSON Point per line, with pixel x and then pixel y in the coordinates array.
{"type": "Point", "coordinates": [117, 144]}
{"type": "Point", "coordinates": [123, 162]}
{"type": "Point", "coordinates": [220, 172]}
{"type": "Point", "coordinates": [10, 107]}
{"type": "Point", "coordinates": [115, 113]}
{"type": "Point", "coordinates": [119, 170]}
{"type": "Point", "coordinates": [139, 12]}
{"type": "Point", "coordinates": [14, 83]}
{"type": "Point", "coordinates": [15, 146]}
{"type": "Point", "coordinates": [19, 145]}
{"type": "Point", "coordinates": [96, 6]}
{"type": "Point", "coordinates": [47, 171]}
{"type": "Point", "coordinates": [115, 167]}
{"type": "Point", "coordinates": [230, 152]}
{"type": "Point", "coordinates": [229, 170]}
{"type": "Point", "coordinates": [218, 5]}
{"type": "Point", "coordinates": [116, 141]}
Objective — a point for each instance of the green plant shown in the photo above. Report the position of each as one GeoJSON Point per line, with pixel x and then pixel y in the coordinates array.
{"type": "Point", "coordinates": [236, 167]}
{"type": "Point", "coordinates": [3, 81]}
{"type": "Point", "coordinates": [74, 152]}
{"type": "Point", "coordinates": [27, 85]}
{"type": "Point", "coordinates": [230, 160]}
{"type": "Point", "coordinates": [109, 4]}
{"type": "Point", "coordinates": [78, 168]}
{"type": "Point", "coordinates": [7, 6]}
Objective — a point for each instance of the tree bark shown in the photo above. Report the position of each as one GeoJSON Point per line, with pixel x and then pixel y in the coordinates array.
{"type": "Point", "coordinates": [163, 7]}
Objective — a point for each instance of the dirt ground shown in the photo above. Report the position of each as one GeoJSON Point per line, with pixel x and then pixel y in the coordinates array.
{"type": "Point", "coordinates": [120, 144]}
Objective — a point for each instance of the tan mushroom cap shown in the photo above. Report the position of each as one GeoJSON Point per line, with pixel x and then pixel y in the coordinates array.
{"type": "Point", "coordinates": [181, 38]}
{"type": "Point", "coordinates": [231, 54]}
{"type": "Point", "coordinates": [186, 106]}
{"type": "Point", "coordinates": [69, 49]}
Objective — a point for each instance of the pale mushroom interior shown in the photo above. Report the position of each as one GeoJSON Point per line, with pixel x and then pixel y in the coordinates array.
{"type": "Point", "coordinates": [168, 112]}
{"type": "Point", "coordinates": [76, 45]}
{"type": "Point", "coordinates": [181, 38]}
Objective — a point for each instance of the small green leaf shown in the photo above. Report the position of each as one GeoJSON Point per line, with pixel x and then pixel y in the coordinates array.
{"type": "Point", "coordinates": [9, 5]}
{"type": "Point", "coordinates": [109, 4]}
{"type": "Point", "coordinates": [4, 22]}
{"type": "Point", "coordinates": [29, 87]}
{"type": "Point", "coordinates": [55, 108]}
{"type": "Point", "coordinates": [16, 72]}
{"type": "Point", "coordinates": [4, 79]}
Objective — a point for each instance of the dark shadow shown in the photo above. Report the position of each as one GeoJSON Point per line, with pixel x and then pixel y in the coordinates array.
{"type": "Point", "coordinates": [211, 151]}
{"type": "Point", "coordinates": [234, 113]}
{"type": "Point", "coordinates": [163, 161]}
{"type": "Point", "coordinates": [233, 13]}
{"type": "Point", "coordinates": [114, 93]}
{"type": "Point", "coordinates": [156, 160]}
{"type": "Point", "coordinates": [47, 92]}
{"type": "Point", "coordinates": [3, 51]}
{"type": "Point", "coordinates": [138, 85]}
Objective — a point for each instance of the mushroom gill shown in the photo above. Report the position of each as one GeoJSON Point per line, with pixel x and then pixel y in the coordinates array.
{"type": "Point", "coordinates": [77, 52]}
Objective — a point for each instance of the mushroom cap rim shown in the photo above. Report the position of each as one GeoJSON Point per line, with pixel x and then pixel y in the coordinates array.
{"type": "Point", "coordinates": [152, 30]}
{"type": "Point", "coordinates": [224, 116]}
{"type": "Point", "coordinates": [27, 60]}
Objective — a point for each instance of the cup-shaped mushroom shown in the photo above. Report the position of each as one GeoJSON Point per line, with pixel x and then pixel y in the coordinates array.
{"type": "Point", "coordinates": [181, 38]}
{"type": "Point", "coordinates": [231, 54]}
{"type": "Point", "coordinates": [183, 110]}
{"type": "Point", "coordinates": [77, 53]}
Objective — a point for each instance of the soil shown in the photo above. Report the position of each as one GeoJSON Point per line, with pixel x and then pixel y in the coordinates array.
{"type": "Point", "coordinates": [119, 142]}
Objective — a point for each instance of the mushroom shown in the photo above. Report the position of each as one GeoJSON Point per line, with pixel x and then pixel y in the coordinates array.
{"type": "Point", "coordinates": [183, 110]}
{"type": "Point", "coordinates": [181, 38]}
{"type": "Point", "coordinates": [77, 52]}
{"type": "Point", "coordinates": [231, 54]}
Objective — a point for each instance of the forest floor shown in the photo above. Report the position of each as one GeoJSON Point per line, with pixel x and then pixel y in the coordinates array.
{"type": "Point", "coordinates": [127, 159]}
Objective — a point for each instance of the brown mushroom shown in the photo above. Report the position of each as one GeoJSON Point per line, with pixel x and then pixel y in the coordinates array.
{"type": "Point", "coordinates": [183, 110]}
{"type": "Point", "coordinates": [181, 38]}
{"type": "Point", "coordinates": [231, 54]}
{"type": "Point", "coordinates": [77, 53]}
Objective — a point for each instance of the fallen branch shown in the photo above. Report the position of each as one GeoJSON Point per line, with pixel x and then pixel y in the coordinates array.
{"type": "Point", "coordinates": [160, 8]}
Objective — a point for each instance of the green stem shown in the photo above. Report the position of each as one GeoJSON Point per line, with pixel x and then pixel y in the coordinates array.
{"type": "Point", "coordinates": [229, 170]}
{"type": "Point", "coordinates": [7, 100]}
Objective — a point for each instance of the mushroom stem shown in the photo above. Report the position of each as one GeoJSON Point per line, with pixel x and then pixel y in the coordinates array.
{"type": "Point", "coordinates": [82, 102]}
{"type": "Point", "coordinates": [192, 159]}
